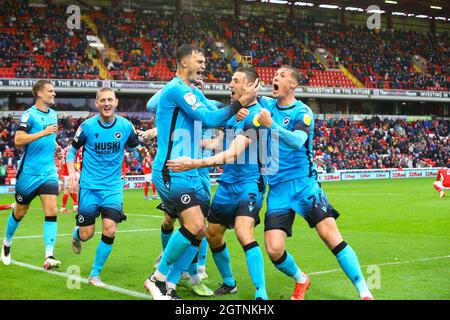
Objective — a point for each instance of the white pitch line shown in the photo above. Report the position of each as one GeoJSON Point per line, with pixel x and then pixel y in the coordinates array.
{"type": "Point", "coordinates": [98, 232]}
{"type": "Point", "coordinates": [382, 264]}
{"type": "Point", "coordinates": [83, 280]}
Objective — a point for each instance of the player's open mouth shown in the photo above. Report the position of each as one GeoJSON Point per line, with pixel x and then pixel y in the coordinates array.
{"type": "Point", "coordinates": [275, 87]}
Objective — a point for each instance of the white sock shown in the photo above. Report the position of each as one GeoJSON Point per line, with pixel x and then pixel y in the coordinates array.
{"type": "Point", "coordinates": [48, 252]}
{"type": "Point", "coordinates": [300, 277]}
{"type": "Point", "coordinates": [194, 278]}
{"type": "Point", "coordinates": [171, 285]}
{"type": "Point", "coordinates": [363, 290]}
{"type": "Point", "coordinates": [159, 276]}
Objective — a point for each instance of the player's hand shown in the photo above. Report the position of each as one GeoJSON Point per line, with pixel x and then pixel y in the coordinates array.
{"type": "Point", "coordinates": [59, 152]}
{"type": "Point", "coordinates": [181, 164]}
{"type": "Point", "coordinates": [264, 118]}
{"type": "Point", "coordinates": [142, 151]}
{"type": "Point", "coordinates": [242, 114]}
{"type": "Point", "coordinates": [250, 93]}
{"type": "Point", "coordinates": [50, 130]}
{"type": "Point", "coordinates": [73, 182]}
{"type": "Point", "coordinates": [148, 134]}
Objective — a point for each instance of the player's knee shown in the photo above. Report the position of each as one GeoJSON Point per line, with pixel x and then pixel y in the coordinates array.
{"type": "Point", "coordinates": [215, 240]}
{"type": "Point", "coordinates": [168, 222]}
{"type": "Point", "coordinates": [85, 234]}
{"type": "Point", "coordinates": [274, 249]}
{"type": "Point", "coordinates": [109, 231]}
{"type": "Point", "coordinates": [244, 234]}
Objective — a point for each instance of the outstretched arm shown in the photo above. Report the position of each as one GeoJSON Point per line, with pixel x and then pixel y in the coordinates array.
{"type": "Point", "coordinates": [237, 146]}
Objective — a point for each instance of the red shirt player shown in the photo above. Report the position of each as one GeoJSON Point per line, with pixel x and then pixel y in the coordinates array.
{"type": "Point", "coordinates": [64, 177]}
{"type": "Point", "coordinates": [442, 181]}
{"type": "Point", "coordinates": [147, 169]}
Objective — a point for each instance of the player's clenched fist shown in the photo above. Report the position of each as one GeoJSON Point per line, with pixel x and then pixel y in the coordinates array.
{"type": "Point", "coordinates": [50, 130]}
{"type": "Point", "coordinates": [264, 118]}
{"type": "Point", "coordinates": [242, 113]}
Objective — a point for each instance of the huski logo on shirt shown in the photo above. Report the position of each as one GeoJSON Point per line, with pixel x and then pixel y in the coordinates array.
{"type": "Point", "coordinates": [286, 120]}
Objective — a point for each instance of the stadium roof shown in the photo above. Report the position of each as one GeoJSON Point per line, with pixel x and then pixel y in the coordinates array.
{"type": "Point", "coordinates": [434, 8]}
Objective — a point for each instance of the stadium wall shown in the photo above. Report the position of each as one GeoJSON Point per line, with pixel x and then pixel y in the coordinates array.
{"type": "Point", "coordinates": [137, 182]}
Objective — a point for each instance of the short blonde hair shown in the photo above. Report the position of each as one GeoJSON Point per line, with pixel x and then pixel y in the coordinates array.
{"type": "Point", "coordinates": [104, 89]}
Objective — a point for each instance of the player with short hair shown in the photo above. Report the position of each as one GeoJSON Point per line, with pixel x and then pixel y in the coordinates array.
{"type": "Point", "coordinates": [182, 194]}
{"type": "Point", "coordinates": [293, 186]}
{"type": "Point", "coordinates": [196, 272]}
{"type": "Point", "coordinates": [442, 181]}
{"type": "Point", "coordinates": [37, 174]}
{"type": "Point", "coordinates": [238, 200]}
{"type": "Point", "coordinates": [104, 138]}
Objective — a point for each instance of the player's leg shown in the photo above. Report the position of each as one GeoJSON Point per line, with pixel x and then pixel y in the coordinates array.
{"type": "Point", "coordinates": [253, 255]}
{"type": "Point", "coordinates": [215, 233]}
{"type": "Point", "coordinates": [85, 219]}
{"type": "Point", "coordinates": [48, 193]}
{"type": "Point", "coordinates": [49, 203]}
{"type": "Point", "coordinates": [202, 255]}
{"type": "Point", "coordinates": [103, 251]}
{"type": "Point", "coordinates": [65, 196]}
{"type": "Point", "coordinates": [26, 190]}
{"type": "Point", "coordinates": [247, 217]}
{"type": "Point", "coordinates": [345, 255]}
{"type": "Point", "coordinates": [14, 220]}
{"type": "Point", "coordinates": [278, 226]}
{"type": "Point", "coordinates": [320, 215]}
{"type": "Point", "coordinates": [167, 227]}
{"type": "Point", "coordinates": [146, 187]}
{"type": "Point", "coordinates": [440, 188]}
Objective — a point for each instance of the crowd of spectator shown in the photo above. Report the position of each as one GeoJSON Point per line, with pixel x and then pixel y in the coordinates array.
{"type": "Point", "coordinates": [375, 143]}
{"type": "Point", "coordinates": [339, 144]}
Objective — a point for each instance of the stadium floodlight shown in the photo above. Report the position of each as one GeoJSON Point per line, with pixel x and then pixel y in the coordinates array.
{"type": "Point", "coordinates": [436, 7]}
{"type": "Point", "coordinates": [304, 4]}
{"type": "Point", "coordinates": [441, 18]}
{"type": "Point", "coordinates": [278, 1]}
{"type": "Point", "coordinates": [376, 11]}
{"type": "Point", "coordinates": [421, 16]}
{"type": "Point", "coordinates": [390, 1]}
{"type": "Point", "coordinates": [411, 14]}
{"type": "Point", "coordinates": [396, 13]}
{"type": "Point", "coordinates": [329, 6]}
{"type": "Point", "coordinates": [354, 9]}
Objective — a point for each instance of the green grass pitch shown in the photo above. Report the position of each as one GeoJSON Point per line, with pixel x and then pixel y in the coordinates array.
{"type": "Point", "coordinates": [400, 230]}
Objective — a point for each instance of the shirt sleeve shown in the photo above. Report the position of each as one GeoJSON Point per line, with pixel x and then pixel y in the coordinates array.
{"type": "Point", "coordinates": [25, 122]}
{"type": "Point", "coordinates": [133, 139]}
{"type": "Point", "coordinates": [80, 137]}
{"type": "Point", "coordinates": [152, 104]}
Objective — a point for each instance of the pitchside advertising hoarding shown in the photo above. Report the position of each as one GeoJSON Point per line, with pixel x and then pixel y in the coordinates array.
{"type": "Point", "coordinates": [138, 182]}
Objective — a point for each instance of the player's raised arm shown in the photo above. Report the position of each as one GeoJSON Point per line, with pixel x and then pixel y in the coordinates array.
{"type": "Point", "coordinates": [198, 110]}
{"type": "Point", "coordinates": [237, 146]}
{"type": "Point", "coordinates": [295, 139]}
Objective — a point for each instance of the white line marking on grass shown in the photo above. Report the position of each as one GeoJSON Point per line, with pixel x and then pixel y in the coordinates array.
{"type": "Point", "coordinates": [144, 215]}
{"type": "Point", "coordinates": [98, 232]}
{"type": "Point", "coordinates": [83, 280]}
{"type": "Point", "coordinates": [383, 264]}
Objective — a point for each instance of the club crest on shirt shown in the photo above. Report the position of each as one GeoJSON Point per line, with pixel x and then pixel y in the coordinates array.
{"type": "Point", "coordinates": [118, 135]}
{"type": "Point", "coordinates": [25, 117]}
{"type": "Point", "coordinates": [190, 98]}
{"type": "Point", "coordinates": [185, 199]}
{"type": "Point", "coordinates": [286, 121]}
{"type": "Point", "coordinates": [307, 119]}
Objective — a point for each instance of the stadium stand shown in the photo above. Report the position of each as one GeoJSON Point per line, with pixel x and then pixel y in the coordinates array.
{"type": "Point", "coordinates": [140, 46]}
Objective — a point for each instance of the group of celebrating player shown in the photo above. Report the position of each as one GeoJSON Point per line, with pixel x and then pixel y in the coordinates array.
{"type": "Point", "coordinates": [264, 141]}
